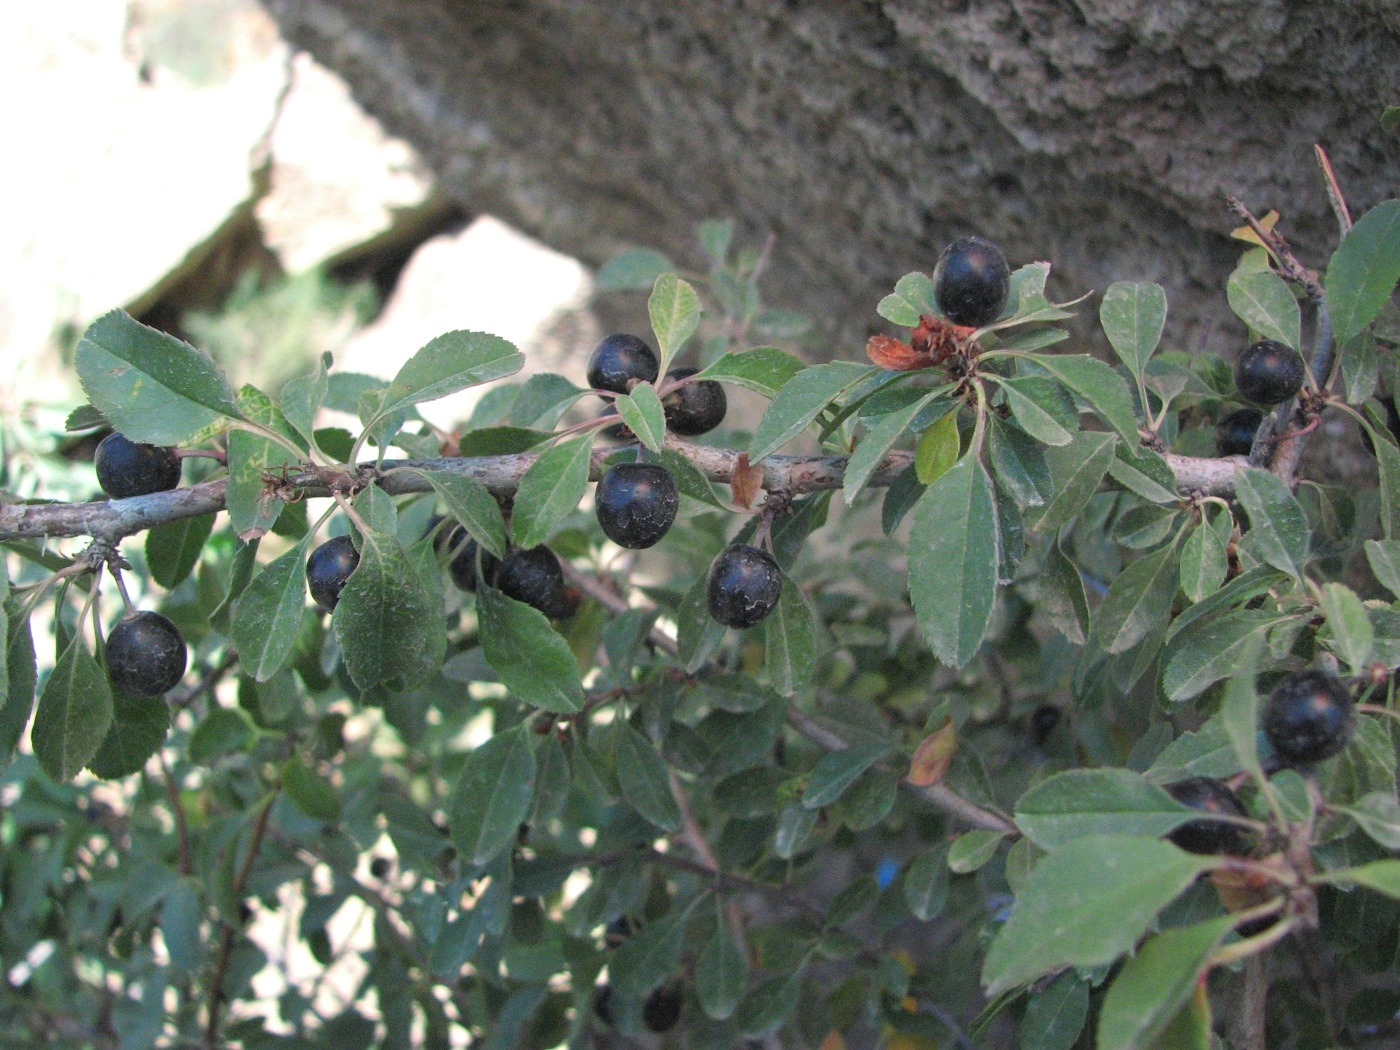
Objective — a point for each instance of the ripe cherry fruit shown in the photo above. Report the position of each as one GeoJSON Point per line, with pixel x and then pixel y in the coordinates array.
{"type": "Point", "coordinates": [145, 654]}
{"type": "Point", "coordinates": [1234, 434]}
{"type": "Point", "coordinates": [1308, 717]}
{"type": "Point", "coordinates": [620, 359]}
{"type": "Point", "coordinates": [1210, 836]}
{"type": "Point", "coordinates": [636, 504]}
{"type": "Point", "coordinates": [744, 585]}
{"type": "Point", "coordinates": [971, 282]}
{"type": "Point", "coordinates": [1269, 373]}
{"type": "Point", "coordinates": [126, 468]}
{"type": "Point", "coordinates": [696, 408]}
{"type": "Point", "coordinates": [329, 568]}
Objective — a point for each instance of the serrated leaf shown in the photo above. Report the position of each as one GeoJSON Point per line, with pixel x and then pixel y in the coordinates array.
{"type": "Point", "coordinates": [1384, 558]}
{"type": "Point", "coordinates": [1239, 711]}
{"type": "Point", "coordinates": [642, 412]}
{"type": "Point", "coordinates": [634, 270]}
{"type": "Point", "coordinates": [648, 957]}
{"type": "Point", "coordinates": [800, 401]}
{"type": "Point", "coordinates": [1211, 652]}
{"type": "Point", "coordinates": [1077, 469]}
{"type": "Point", "coordinates": [674, 310]}
{"type": "Point", "coordinates": [937, 449]}
{"type": "Point", "coordinates": [84, 417]}
{"type": "Point", "coordinates": [1278, 527]}
{"type": "Point", "coordinates": [1062, 600]}
{"type": "Point", "coordinates": [1138, 600]}
{"type": "Point", "coordinates": [1145, 472]}
{"type": "Point", "coordinates": [1364, 270]}
{"type": "Point", "coordinates": [303, 396]}
{"type": "Point", "coordinates": [469, 502]}
{"type": "Point", "coordinates": [1377, 813]}
{"type": "Point", "coordinates": [697, 632]}
{"type": "Point", "coordinates": [1155, 983]}
{"type": "Point", "coordinates": [550, 491]}
{"type": "Point", "coordinates": [764, 369]}
{"type": "Point", "coordinates": [972, 849]}
{"type": "Point", "coordinates": [173, 548]}
{"type": "Point", "coordinates": [1017, 463]}
{"type": "Point", "coordinates": [138, 729]}
{"type": "Point", "coordinates": [721, 972]}
{"type": "Point", "coordinates": [953, 562]}
{"type": "Point", "coordinates": [912, 297]}
{"type": "Point", "coordinates": [1098, 385]}
{"type": "Point", "coordinates": [689, 479]}
{"type": "Point", "coordinates": [1080, 802]}
{"type": "Point", "coordinates": [1349, 627]}
{"type": "Point", "coordinates": [542, 400]}
{"type": "Point", "coordinates": [770, 1004]}
{"type": "Point", "coordinates": [150, 386]}
{"type": "Point", "coordinates": [252, 510]}
{"type": "Point", "coordinates": [875, 445]}
{"type": "Point", "coordinates": [926, 884]}
{"type": "Point", "coordinates": [790, 640]}
{"type": "Point", "coordinates": [549, 679]}
{"type": "Point", "coordinates": [645, 784]}
{"type": "Point", "coordinates": [1204, 560]}
{"type": "Point", "coordinates": [309, 791]}
{"type": "Point", "coordinates": [493, 795]}
{"type": "Point", "coordinates": [1086, 904]}
{"type": "Point", "coordinates": [451, 362]}
{"type": "Point", "coordinates": [1133, 315]}
{"type": "Point", "coordinates": [268, 614]}
{"type": "Point", "coordinates": [1262, 300]}
{"type": "Point", "coordinates": [838, 770]}
{"type": "Point", "coordinates": [385, 618]}
{"type": "Point", "coordinates": [1383, 876]}
{"type": "Point", "coordinates": [1055, 1016]}
{"type": "Point", "coordinates": [75, 711]}
{"type": "Point", "coordinates": [1030, 416]}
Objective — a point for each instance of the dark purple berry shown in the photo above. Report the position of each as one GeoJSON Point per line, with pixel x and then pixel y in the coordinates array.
{"type": "Point", "coordinates": [462, 567]}
{"type": "Point", "coordinates": [1234, 434]}
{"type": "Point", "coordinates": [126, 468]}
{"type": "Point", "coordinates": [1269, 373]}
{"type": "Point", "coordinates": [1210, 836]}
{"type": "Point", "coordinates": [145, 654]}
{"type": "Point", "coordinates": [971, 282]}
{"type": "Point", "coordinates": [1043, 722]}
{"type": "Point", "coordinates": [619, 360]}
{"type": "Point", "coordinates": [636, 504]}
{"type": "Point", "coordinates": [328, 569]}
{"type": "Point", "coordinates": [696, 408]}
{"type": "Point", "coordinates": [744, 585]}
{"type": "Point", "coordinates": [380, 867]}
{"type": "Point", "coordinates": [535, 577]}
{"type": "Point", "coordinates": [662, 1008]}
{"type": "Point", "coordinates": [1308, 718]}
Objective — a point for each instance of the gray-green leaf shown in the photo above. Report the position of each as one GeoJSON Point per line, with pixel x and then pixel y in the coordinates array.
{"type": "Point", "coordinates": [642, 412]}
{"type": "Point", "coordinates": [1132, 315]}
{"type": "Point", "coordinates": [549, 679]}
{"type": "Point", "coordinates": [674, 309]}
{"type": "Point", "coordinates": [451, 362]}
{"type": "Point", "coordinates": [471, 503]}
{"type": "Point", "coordinates": [643, 778]}
{"type": "Point", "coordinates": [1364, 270]}
{"type": "Point", "coordinates": [550, 490]}
{"type": "Point", "coordinates": [1278, 527]}
{"type": "Point", "coordinates": [493, 795]}
{"type": "Point", "coordinates": [268, 614]}
{"type": "Point", "coordinates": [1262, 301]}
{"type": "Point", "coordinates": [75, 711]}
{"type": "Point", "coordinates": [1081, 802]}
{"type": "Point", "coordinates": [800, 401]}
{"type": "Point", "coordinates": [764, 369]}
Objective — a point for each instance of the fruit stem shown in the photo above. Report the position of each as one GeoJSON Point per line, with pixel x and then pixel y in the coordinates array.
{"type": "Point", "coordinates": [121, 588]}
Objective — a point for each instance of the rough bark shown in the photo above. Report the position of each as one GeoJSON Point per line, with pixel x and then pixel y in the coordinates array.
{"type": "Point", "coordinates": [1098, 134]}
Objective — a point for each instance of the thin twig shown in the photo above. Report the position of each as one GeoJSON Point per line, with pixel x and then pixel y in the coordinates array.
{"type": "Point", "coordinates": [1334, 191]}
{"type": "Point", "coordinates": [177, 808]}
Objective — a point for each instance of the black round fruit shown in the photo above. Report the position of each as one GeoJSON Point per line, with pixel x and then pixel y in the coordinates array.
{"type": "Point", "coordinates": [744, 585]}
{"type": "Point", "coordinates": [462, 567]}
{"type": "Point", "coordinates": [1269, 373]}
{"type": "Point", "coordinates": [636, 504]}
{"type": "Point", "coordinates": [145, 654]}
{"type": "Point", "coordinates": [535, 577]}
{"type": "Point", "coordinates": [126, 468]}
{"type": "Point", "coordinates": [1234, 434]}
{"type": "Point", "coordinates": [380, 867]}
{"type": "Point", "coordinates": [696, 408]}
{"type": "Point", "coordinates": [971, 282]}
{"type": "Point", "coordinates": [1308, 717]}
{"type": "Point", "coordinates": [1044, 719]}
{"type": "Point", "coordinates": [662, 1008]}
{"type": "Point", "coordinates": [620, 359]}
{"type": "Point", "coordinates": [328, 569]}
{"type": "Point", "coordinates": [1214, 837]}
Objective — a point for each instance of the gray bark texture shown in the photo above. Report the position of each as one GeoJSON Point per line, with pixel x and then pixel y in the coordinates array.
{"type": "Point", "coordinates": [1098, 134]}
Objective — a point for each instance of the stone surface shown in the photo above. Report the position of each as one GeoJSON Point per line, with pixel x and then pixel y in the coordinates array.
{"type": "Point", "coordinates": [1098, 135]}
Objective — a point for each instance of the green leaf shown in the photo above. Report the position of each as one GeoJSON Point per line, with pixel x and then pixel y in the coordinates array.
{"type": "Point", "coordinates": [309, 791]}
{"type": "Point", "coordinates": [1262, 300]}
{"type": "Point", "coordinates": [634, 270]}
{"type": "Point", "coordinates": [1056, 1016]}
{"type": "Point", "coordinates": [549, 679]}
{"type": "Point", "coordinates": [1062, 600]}
{"type": "Point", "coordinates": [937, 449]}
{"type": "Point", "coordinates": [674, 309]}
{"type": "Point", "coordinates": [550, 491]}
{"type": "Point", "coordinates": [648, 957]}
{"type": "Point", "coordinates": [1022, 398]}
{"type": "Point", "coordinates": [912, 297]}
{"type": "Point", "coordinates": [21, 675]}
{"type": "Point", "coordinates": [151, 386]}
{"type": "Point", "coordinates": [1155, 983]}
{"type": "Point", "coordinates": [1133, 315]}
{"type": "Point", "coordinates": [386, 618]}
{"type": "Point", "coordinates": [1211, 652]}
{"type": "Point", "coordinates": [470, 503]}
{"type": "Point", "coordinates": [1278, 527]}
{"type": "Point", "coordinates": [75, 711]}
{"type": "Point", "coordinates": [1018, 464]}
{"type": "Point", "coordinates": [173, 548]}
{"type": "Point", "coordinates": [1361, 367]}
{"type": "Point", "coordinates": [790, 640]}
{"type": "Point", "coordinates": [1077, 468]}
{"type": "Point", "coordinates": [836, 771]}
{"type": "Point", "coordinates": [1145, 472]}
{"type": "Point", "coordinates": [138, 729]}
{"type": "Point", "coordinates": [1388, 467]}
{"type": "Point", "coordinates": [1377, 813]}
{"type": "Point", "coordinates": [1239, 712]}
{"type": "Point", "coordinates": [972, 849]}
{"type": "Point", "coordinates": [493, 795]}
{"type": "Point", "coordinates": [303, 396]}
{"type": "Point", "coordinates": [542, 400]}
{"type": "Point", "coordinates": [721, 972]}
{"type": "Point", "coordinates": [222, 731]}
{"type": "Point", "coordinates": [697, 632]}
{"type": "Point", "coordinates": [1384, 557]}
{"type": "Point", "coordinates": [953, 562]}
{"type": "Point", "coordinates": [770, 1004]}
{"type": "Point", "coordinates": [926, 883]}
{"type": "Point", "coordinates": [1363, 271]}
{"type": "Point", "coordinates": [801, 400]}
{"type": "Point", "coordinates": [451, 362]}
{"type": "Point", "coordinates": [267, 615]}
{"type": "Point", "coordinates": [1205, 559]}
{"type": "Point", "coordinates": [251, 510]}
{"type": "Point", "coordinates": [875, 445]}
{"type": "Point", "coordinates": [1138, 600]}
{"type": "Point", "coordinates": [1098, 385]}
{"type": "Point", "coordinates": [1086, 904]}
{"type": "Point", "coordinates": [764, 369]}
{"type": "Point", "coordinates": [1349, 628]}
{"type": "Point", "coordinates": [1383, 876]}
{"type": "Point", "coordinates": [645, 783]}
{"type": "Point", "coordinates": [642, 412]}
{"type": "Point", "coordinates": [689, 479]}
{"type": "Point", "coordinates": [1081, 802]}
